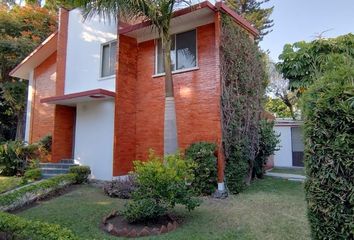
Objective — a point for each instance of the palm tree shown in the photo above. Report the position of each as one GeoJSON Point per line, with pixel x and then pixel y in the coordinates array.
{"type": "Point", "coordinates": [160, 13]}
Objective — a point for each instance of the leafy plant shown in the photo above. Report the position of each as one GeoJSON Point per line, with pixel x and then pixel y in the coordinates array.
{"type": "Point", "coordinates": [15, 157]}
{"type": "Point", "coordinates": [205, 171]}
{"type": "Point", "coordinates": [18, 228]}
{"type": "Point", "coordinates": [268, 143]}
{"type": "Point", "coordinates": [45, 144]}
{"type": "Point", "coordinates": [32, 175]}
{"type": "Point", "coordinates": [161, 185]}
{"type": "Point", "coordinates": [329, 151]}
{"type": "Point", "coordinates": [121, 188]}
{"type": "Point", "coordinates": [81, 172]}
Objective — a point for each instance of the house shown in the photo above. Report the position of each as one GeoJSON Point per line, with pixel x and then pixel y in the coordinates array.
{"type": "Point", "coordinates": [98, 87]}
{"type": "Point", "coordinates": [291, 150]}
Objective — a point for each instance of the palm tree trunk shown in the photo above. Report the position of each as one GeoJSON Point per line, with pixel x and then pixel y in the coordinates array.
{"type": "Point", "coordinates": [170, 124]}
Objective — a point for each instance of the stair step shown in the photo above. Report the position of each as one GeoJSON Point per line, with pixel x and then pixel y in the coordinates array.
{"type": "Point", "coordinates": [57, 165]}
{"type": "Point", "coordinates": [54, 170]}
{"type": "Point", "coordinates": [67, 161]}
{"type": "Point", "coordinates": [47, 175]}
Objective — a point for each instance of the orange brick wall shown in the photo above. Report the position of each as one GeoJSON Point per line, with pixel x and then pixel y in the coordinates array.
{"type": "Point", "coordinates": [64, 121]}
{"type": "Point", "coordinates": [197, 95]}
{"type": "Point", "coordinates": [125, 109]}
{"type": "Point", "coordinates": [42, 122]}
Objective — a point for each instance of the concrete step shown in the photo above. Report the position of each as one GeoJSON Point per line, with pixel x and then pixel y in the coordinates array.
{"type": "Point", "coordinates": [46, 176]}
{"type": "Point", "coordinates": [57, 165]}
{"type": "Point", "coordinates": [54, 170]}
{"type": "Point", "coordinates": [71, 161]}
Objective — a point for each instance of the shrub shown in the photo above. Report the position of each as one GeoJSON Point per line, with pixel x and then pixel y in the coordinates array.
{"type": "Point", "coordinates": [329, 151]}
{"type": "Point", "coordinates": [26, 194]}
{"type": "Point", "coordinates": [268, 142]}
{"type": "Point", "coordinates": [15, 156]}
{"type": "Point", "coordinates": [32, 175]}
{"type": "Point", "coordinates": [121, 188]}
{"type": "Point", "coordinates": [205, 171]}
{"type": "Point", "coordinates": [161, 185]}
{"type": "Point", "coordinates": [82, 173]}
{"type": "Point", "coordinates": [18, 228]}
{"type": "Point", "coordinates": [46, 144]}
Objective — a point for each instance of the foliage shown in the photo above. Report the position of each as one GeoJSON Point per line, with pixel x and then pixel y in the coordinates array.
{"type": "Point", "coordinates": [268, 144]}
{"type": "Point", "coordinates": [121, 188]}
{"type": "Point", "coordinates": [8, 183]}
{"type": "Point", "coordinates": [16, 156]}
{"type": "Point", "coordinates": [304, 62]}
{"type": "Point", "coordinates": [32, 175]}
{"type": "Point", "coordinates": [252, 10]}
{"type": "Point", "coordinates": [277, 106]}
{"type": "Point", "coordinates": [329, 149]}
{"type": "Point", "coordinates": [81, 172]}
{"type": "Point", "coordinates": [46, 143]}
{"type": "Point", "coordinates": [18, 228]}
{"type": "Point", "coordinates": [161, 185]}
{"type": "Point", "coordinates": [22, 29]}
{"type": "Point", "coordinates": [205, 172]}
{"type": "Point", "coordinates": [243, 82]}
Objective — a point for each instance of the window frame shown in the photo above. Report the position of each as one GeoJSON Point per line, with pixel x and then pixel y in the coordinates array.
{"type": "Point", "coordinates": [101, 59]}
{"type": "Point", "coordinates": [196, 67]}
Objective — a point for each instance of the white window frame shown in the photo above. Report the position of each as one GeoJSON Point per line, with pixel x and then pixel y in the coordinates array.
{"type": "Point", "coordinates": [101, 59]}
{"type": "Point", "coordinates": [156, 74]}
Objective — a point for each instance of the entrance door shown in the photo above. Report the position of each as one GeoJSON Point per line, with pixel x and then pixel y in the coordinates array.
{"type": "Point", "coordinates": [297, 146]}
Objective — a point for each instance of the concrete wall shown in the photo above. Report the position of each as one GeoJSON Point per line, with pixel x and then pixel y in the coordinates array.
{"type": "Point", "coordinates": [83, 53]}
{"type": "Point", "coordinates": [94, 137]}
{"type": "Point", "coordinates": [283, 157]}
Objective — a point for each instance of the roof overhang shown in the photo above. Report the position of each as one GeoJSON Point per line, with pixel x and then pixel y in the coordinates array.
{"type": "Point", "coordinates": [281, 122]}
{"type": "Point", "coordinates": [185, 19]}
{"type": "Point", "coordinates": [42, 52]}
{"type": "Point", "coordinates": [74, 98]}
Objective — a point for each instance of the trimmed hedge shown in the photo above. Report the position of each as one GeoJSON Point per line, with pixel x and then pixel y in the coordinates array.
{"type": "Point", "coordinates": [19, 197]}
{"type": "Point", "coordinates": [81, 172]}
{"type": "Point", "coordinates": [13, 227]}
{"type": "Point", "coordinates": [328, 108]}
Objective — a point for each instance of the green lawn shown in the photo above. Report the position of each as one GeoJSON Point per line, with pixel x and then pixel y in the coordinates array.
{"type": "Point", "coordinates": [299, 171]}
{"type": "Point", "coordinates": [269, 209]}
{"type": "Point", "coordinates": [8, 183]}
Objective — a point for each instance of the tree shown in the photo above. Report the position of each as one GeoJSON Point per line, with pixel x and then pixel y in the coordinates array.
{"type": "Point", "coordinates": [22, 29]}
{"type": "Point", "coordinates": [277, 106]}
{"type": "Point", "coordinates": [160, 13]}
{"type": "Point", "coordinates": [252, 10]}
{"type": "Point", "coordinates": [279, 87]}
{"type": "Point", "coordinates": [304, 62]}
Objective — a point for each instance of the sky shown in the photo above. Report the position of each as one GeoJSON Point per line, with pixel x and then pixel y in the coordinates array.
{"type": "Point", "coordinates": [298, 20]}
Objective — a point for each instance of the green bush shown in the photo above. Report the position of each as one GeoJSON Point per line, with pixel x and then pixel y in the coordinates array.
{"type": "Point", "coordinates": [14, 199]}
{"type": "Point", "coordinates": [161, 185]}
{"type": "Point", "coordinates": [32, 175]}
{"type": "Point", "coordinates": [82, 173]}
{"type": "Point", "coordinates": [205, 171]}
{"type": "Point", "coordinates": [18, 228]}
{"type": "Point", "coordinates": [15, 156]}
{"type": "Point", "coordinates": [46, 144]}
{"type": "Point", "coordinates": [268, 144]}
{"type": "Point", "coordinates": [329, 151]}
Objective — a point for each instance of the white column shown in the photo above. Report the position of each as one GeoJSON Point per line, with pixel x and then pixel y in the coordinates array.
{"type": "Point", "coordinates": [29, 106]}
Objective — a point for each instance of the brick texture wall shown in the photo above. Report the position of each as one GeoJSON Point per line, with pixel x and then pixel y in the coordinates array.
{"type": "Point", "coordinates": [197, 96]}
{"type": "Point", "coordinates": [42, 122]}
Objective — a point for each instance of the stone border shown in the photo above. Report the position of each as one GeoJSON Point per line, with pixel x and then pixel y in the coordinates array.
{"type": "Point", "coordinates": [146, 231]}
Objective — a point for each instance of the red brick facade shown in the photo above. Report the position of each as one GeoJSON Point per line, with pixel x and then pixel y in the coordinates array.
{"type": "Point", "coordinates": [42, 122]}
{"type": "Point", "coordinates": [140, 100]}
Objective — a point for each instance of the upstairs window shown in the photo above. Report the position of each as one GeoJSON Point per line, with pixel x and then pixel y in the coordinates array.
{"type": "Point", "coordinates": [183, 52]}
{"type": "Point", "coordinates": [108, 59]}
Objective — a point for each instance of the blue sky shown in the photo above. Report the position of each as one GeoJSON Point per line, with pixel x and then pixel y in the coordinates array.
{"type": "Point", "coordinates": [297, 20]}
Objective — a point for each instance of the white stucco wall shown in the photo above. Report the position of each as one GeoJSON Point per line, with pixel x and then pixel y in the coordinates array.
{"type": "Point", "coordinates": [283, 157]}
{"type": "Point", "coordinates": [83, 53]}
{"type": "Point", "coordinates": [94, 137]}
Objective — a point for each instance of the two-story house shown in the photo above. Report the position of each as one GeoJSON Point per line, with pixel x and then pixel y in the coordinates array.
{"type": "Point", "coordinates": [98, 87]}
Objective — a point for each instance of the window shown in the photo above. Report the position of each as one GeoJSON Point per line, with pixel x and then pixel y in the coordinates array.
{"type": "Point", "coordinates": [108, 59]}
{"type": "Point", "coordinates": [183, 52]}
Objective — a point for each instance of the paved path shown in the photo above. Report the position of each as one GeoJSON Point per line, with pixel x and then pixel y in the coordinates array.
{"type": "Point", "coordinates": [293, 177]}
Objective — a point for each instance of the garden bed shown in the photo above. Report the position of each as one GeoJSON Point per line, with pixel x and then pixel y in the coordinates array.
{"type": "Point", "coordinates": [268, 209]}
{"type": "Point", "coordinates": [9, 183]}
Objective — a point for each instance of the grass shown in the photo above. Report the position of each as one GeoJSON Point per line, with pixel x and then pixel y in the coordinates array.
{"type": "Point", "coordinates": [268, 209]}
{"type": "Point", "coordinates": [8, 183]}
{"type": "Point", "coordinates": [299, 171]}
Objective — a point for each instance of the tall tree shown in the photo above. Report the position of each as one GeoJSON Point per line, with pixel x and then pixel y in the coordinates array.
{"type": "Point", "coordinates": [22, 29]}
{"type": "Point", "coordinates": [252, 10]}
{"type": "Point", "coordinates": [159, 12]}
